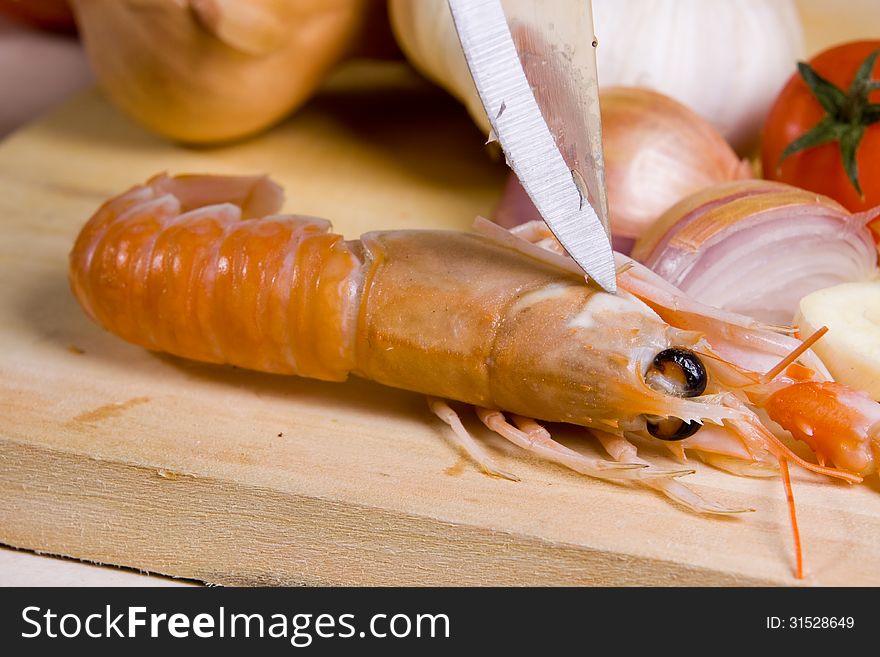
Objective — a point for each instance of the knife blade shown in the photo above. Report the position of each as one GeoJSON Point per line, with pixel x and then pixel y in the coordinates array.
{"type": "Point", "coordinates": [551, 136]}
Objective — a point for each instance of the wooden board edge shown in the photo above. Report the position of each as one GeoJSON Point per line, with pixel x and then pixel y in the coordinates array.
{"type": "Point", "coordinates": [233, 534]}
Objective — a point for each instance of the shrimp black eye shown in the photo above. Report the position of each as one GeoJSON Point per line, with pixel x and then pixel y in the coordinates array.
{"type": "Point", "coordinates": [672, 428]}
{"type": "Point", "coordinates": [678, 371]}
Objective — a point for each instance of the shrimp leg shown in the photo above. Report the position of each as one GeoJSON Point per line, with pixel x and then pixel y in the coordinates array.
{"type": "Point", "coordinates": [536, 439]}
{"type": "Point", "coordinates": [464, 440]}
{"type": "Point", "coordinates": [621, 449]}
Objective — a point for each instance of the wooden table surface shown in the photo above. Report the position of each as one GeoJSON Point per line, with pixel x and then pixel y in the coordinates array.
{"type": "Point", "coordinates": [115, 455]}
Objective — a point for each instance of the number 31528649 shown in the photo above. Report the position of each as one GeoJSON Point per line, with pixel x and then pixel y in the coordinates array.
{"type": "Point", "coordinates": [811, 622]}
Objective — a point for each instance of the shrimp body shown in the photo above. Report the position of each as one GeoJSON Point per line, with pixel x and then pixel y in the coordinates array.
{"type": "Point", "coordinates": [455, 315]}
{"type": "Point", "coordinates": [171, 268]}
{"type": "Point", "coordinates": [203, 268]}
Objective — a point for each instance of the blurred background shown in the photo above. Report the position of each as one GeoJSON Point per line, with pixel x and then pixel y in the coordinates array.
{"type": "Point", "coordinates": [42, 59]}
{"type": "Point", "coordinates": [38, 67]}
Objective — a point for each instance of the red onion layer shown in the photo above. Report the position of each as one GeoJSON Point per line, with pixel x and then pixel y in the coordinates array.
{"type": "Point", "coordinates": [758, 247]}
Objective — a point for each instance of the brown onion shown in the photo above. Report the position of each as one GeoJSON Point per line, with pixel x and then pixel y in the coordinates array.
{"type": "Point", "coordinates": [208, 71]}
{"type": "Point", "coordinates": [758, 247]}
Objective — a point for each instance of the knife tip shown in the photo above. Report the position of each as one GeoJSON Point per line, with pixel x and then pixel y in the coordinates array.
{"type": "Point", "coordinates": [603, 273]}
{"type": "Point", "coordinates": [607, 282]}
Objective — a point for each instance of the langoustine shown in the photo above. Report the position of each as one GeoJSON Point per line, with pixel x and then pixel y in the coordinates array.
{"type": "Point", "coordinates": [201, 267]}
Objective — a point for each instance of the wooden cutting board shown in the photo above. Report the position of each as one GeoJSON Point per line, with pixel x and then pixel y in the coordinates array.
{"type": "Point", "coordinates": [116, 455]}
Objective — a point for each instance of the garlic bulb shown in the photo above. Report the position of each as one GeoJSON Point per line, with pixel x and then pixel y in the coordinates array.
{"type": "Point", "coordinates": [657, 152]}
{"type": "Point", "coordinates": [204, 71]}
{"type": "Point", "coordinates": [426, 34]}
{"type": "Point", "coordinates": [725, 60]}
{"type": "Point", "coordinates": [757, 247]}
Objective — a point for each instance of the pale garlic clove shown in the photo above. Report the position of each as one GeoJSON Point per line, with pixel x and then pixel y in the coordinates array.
{"type": "Point", "coordinates": [851, 348]}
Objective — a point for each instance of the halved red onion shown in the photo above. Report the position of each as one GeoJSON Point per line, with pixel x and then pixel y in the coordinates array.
{"type": "Point", "coordinates": [757, 247]}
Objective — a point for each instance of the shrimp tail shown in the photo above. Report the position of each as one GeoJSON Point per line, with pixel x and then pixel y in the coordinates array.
{"type": "Point", "coordinates": [199, 267]}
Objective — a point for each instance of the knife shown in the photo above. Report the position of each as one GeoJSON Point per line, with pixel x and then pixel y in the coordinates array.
{"type": "Point", "coordinates": [534, 65]}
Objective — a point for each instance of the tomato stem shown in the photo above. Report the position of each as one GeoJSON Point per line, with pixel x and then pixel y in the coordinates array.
{"type": "Point", "coordinates": [847, 114]}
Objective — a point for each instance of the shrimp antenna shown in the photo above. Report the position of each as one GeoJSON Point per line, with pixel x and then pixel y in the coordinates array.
{"type": "Point", "coordinates": [792, 512]}
{"type": "Point", "coordinates": [625, 267]}
{"type": "Point", "coordinates": [794, 355]}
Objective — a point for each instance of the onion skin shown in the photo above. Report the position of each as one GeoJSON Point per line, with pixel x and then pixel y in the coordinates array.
{"type": "Point", "coordinates": [209, 71]}
{"type": "Point", "coordinates": [757, 247]}
{"type": "Point", "coordinates": [657, 152]}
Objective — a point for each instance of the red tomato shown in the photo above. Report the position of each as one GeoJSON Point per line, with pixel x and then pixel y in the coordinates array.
{"type": "Point", "coordinates": [797, 110]}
